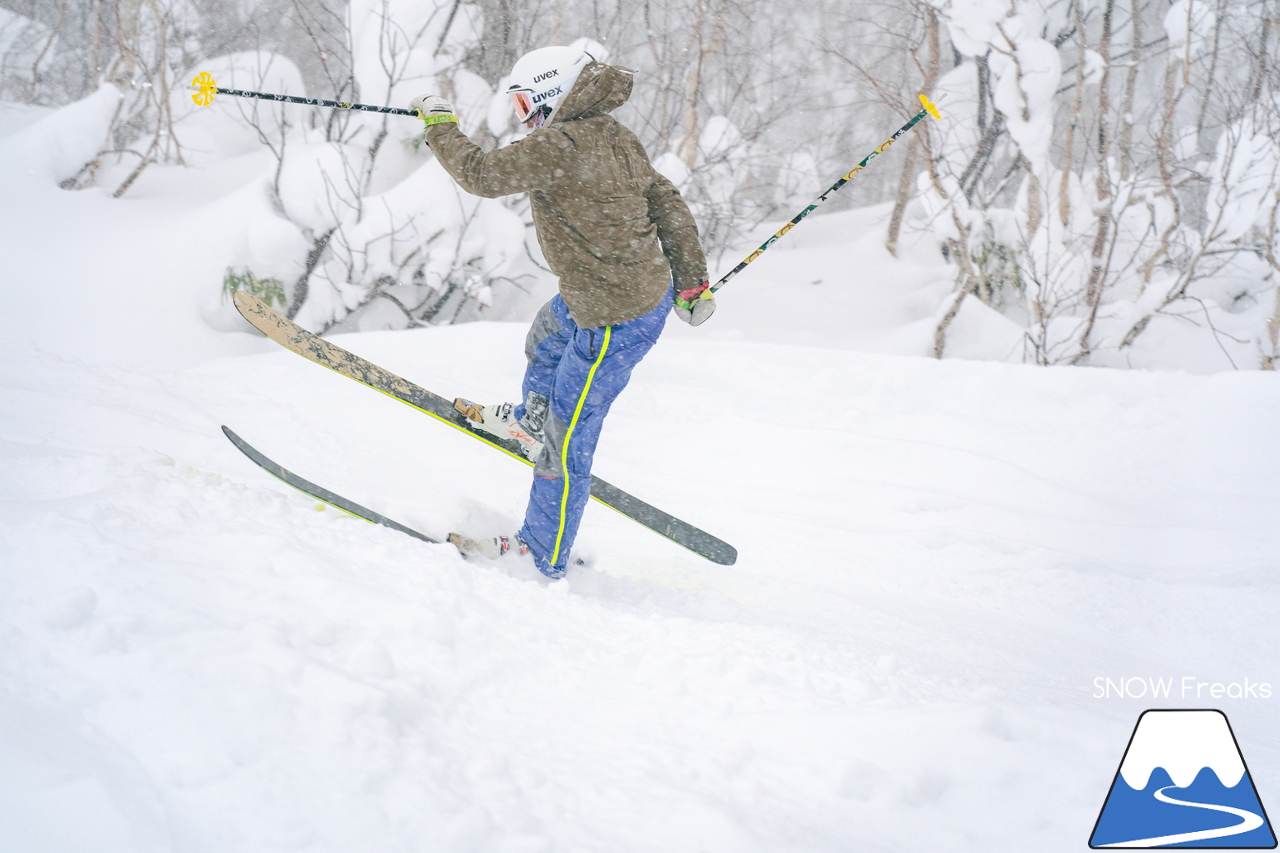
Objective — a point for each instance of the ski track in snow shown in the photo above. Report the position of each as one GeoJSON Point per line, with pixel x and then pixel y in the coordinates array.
{"type": "Point", "coordinates": [937, 559]}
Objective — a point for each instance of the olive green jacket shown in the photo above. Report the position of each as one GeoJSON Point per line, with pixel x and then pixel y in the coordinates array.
{"type": "Point", "coordinates": [615, 231]}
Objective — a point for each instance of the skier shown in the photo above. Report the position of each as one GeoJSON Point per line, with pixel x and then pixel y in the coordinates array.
{"type": "Point", "coordinates": [625, 247]}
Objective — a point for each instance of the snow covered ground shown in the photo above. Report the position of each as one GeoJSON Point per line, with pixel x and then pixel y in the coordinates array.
{"type": "Point", "coordinates": [937, 560]}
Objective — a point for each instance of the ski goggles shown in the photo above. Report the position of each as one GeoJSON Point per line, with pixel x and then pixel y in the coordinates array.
{"type": "Point", "coordinates": [523, 104]}
{"type": "Point", "coordinates": [528, 103]}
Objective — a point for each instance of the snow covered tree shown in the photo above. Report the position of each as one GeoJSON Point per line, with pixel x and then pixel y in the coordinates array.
{"type": "Point", "coordinates": [1109, 170]}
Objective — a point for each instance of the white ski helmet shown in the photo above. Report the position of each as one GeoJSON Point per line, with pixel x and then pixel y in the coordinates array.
{"type": "Point", "coordinates": [540, 79]}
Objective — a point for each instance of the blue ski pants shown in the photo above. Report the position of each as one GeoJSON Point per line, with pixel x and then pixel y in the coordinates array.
{"type": "Point", "coordinates": [581, 372]}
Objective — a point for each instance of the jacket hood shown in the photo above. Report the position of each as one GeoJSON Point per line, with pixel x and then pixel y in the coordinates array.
{"type": "Point", "coordinates": [599, 90]}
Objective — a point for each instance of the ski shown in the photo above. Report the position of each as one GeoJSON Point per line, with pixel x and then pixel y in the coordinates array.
{"type": "Point", "coordinates": [320, 493]}
{"type": "Point", "coordinates": [314, 348]}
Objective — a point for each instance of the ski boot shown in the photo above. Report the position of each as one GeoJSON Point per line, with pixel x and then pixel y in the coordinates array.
{"type": "Point", "coordinates": [499, 421]}
{"type": "Point", "coordinates": [498, 547]}
{"type": "Point", "coordinates": [493, 548]}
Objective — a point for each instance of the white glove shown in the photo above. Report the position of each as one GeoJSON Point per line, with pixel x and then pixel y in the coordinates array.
{"type": "Point", "coordinates": [433, 109]}
{"type": "Point", "coordinates": [695, 304]}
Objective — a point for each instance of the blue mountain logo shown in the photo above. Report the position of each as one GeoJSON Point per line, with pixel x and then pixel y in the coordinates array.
{"type": "Point", "coordinates": [1183, 783]}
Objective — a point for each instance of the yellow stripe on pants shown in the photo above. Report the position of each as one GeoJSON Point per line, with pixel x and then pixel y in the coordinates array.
{"type": "Point", "coordinates": [568, 437]}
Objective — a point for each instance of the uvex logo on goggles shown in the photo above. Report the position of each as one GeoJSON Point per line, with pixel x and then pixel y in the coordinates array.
{"type": "Point", "coordinates": [525, 102]}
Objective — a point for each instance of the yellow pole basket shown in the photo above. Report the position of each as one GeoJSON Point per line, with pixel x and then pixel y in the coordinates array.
{"type": "Point", "coordinates": [205, 89]}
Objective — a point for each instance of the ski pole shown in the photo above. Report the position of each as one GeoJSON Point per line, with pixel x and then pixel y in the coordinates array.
{"type": "Point", "coordinates": [206, 89]}
{"type": "Point", "coordinates": [929, 108]}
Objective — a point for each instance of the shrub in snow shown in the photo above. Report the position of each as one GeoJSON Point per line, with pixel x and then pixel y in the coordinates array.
{"type": "Point", "coordinates": [269, 290]}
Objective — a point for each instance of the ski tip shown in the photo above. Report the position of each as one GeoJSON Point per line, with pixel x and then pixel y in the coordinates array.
{"type": "Point", "coordinates": [256, 312]}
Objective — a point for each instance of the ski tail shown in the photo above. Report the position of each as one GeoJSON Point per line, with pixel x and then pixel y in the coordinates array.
{"type": "Point", "coordinates": [320, 493]}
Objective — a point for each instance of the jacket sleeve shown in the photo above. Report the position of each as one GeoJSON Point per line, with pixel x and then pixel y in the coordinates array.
{"type": "Point", "coordinates": [678, 234]}
{"type": "Point", "coordinates": [533, 163]}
